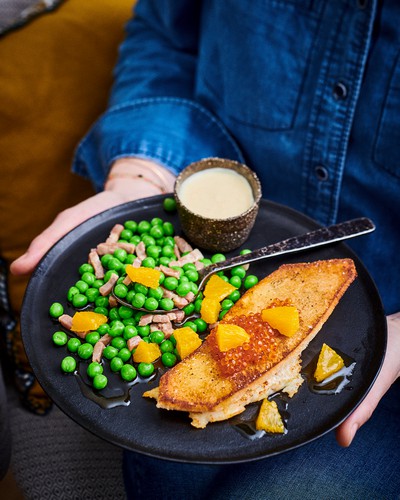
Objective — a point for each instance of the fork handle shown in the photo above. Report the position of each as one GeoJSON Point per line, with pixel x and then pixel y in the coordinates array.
{"type": "Point", "coordinates": [312, 239]}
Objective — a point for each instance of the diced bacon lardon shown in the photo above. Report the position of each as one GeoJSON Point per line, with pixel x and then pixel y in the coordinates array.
{"type": "Point", "coordinates": [146, 319]}
{"type": "Point", "coordinates": [115, 233]}
{"type": "Point", "coordinates": [98, 351]}
{"type": "Point", "coordinates": [191, 257]}
{"type": "Point", "coordinates": [170, 272]}
{"type": "Point", "coordinates": [94, 260]}
{"type": "Point", "coordinates": [182, 244]}
{"type": "Point", "coordinates": [133, 342]}
{"type": "Point", "coordinates": [141, 250]}
{"type": "Point", "coordinates": [108, 286]}
{"type": "Point", "coordinates": [66, 321]}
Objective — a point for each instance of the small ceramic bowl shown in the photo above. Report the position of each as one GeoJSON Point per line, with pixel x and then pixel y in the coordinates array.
{"type": "Point", "coordinates": [216, 235]}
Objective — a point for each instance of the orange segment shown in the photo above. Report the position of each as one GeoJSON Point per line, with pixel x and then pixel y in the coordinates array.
{"type": "Point", "coordinates": [144, 275]}
{"type": "Point", "coordinates": [230, 336]}
{"type": "Point", "coordinates": [329, 362]}
{"type": "Point", "coordinates": [269, 418]}
{"type": "Point", "coordinates": [285, 319]}
{"type": "Point", "coordinates": [187, 341]}
{"type": "Point", "coordinates": [85, 321]}
{"type": "Point", "coordinates": [210, 308]}
{"type": "Point", "coordinates": [217, 288]}
{"type": "Point", "coordinates": [146, 353]}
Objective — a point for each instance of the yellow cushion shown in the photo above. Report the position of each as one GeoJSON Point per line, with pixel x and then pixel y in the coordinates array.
{"type": "Point", "coordinates": [55, 78]}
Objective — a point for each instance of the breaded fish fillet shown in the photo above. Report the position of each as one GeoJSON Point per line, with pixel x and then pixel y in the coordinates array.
{"type": "Point", "coordinates": [212, 385]}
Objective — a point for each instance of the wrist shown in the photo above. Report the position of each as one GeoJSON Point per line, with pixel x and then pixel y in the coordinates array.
{"type": "Point", "coordinates": [128, 172]}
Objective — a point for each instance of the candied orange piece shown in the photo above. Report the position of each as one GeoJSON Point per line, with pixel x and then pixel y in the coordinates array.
{"type": "Point", "coordinates": [329, 362]}
{"type": "Point", "coordinates": [210, 308]}
{"type": "Point", "coordinates": [85, 321]}
{"type": "Point", "coordinates": [269, 418]}
{"type": "Point", "coordinates": [229, 336]}
{"type": "Point", "coordinates": [144, 275]}
{"type": "Point", "coordinates": [187, 341]}
{"type": "Point", "coordinates": [217, 288]}
{"type": "Point", "coordinates": [285, 319]}
{"type": "Point", "coordinates": [146, 352]}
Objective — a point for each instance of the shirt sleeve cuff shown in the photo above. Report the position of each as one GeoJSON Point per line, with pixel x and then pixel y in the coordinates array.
{"type": "Point", "coordinates": [173, 132]}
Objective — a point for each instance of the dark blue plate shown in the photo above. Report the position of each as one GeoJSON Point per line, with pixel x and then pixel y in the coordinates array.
{"type": "Point", "coordinates": [357, 328]}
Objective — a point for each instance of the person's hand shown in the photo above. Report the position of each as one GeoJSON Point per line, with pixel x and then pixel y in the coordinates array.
{"type": "Point", "coordinates": [129, 179]}
{"type": "Point", "coordinates": [389, 373]}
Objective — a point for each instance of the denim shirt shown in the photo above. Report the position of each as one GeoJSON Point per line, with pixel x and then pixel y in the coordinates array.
{"type": "Point", "coordinates": [305, 92]}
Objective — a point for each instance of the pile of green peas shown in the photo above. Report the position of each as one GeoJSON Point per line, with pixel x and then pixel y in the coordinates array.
{"type": "Point", "coordinates": [123, 322]}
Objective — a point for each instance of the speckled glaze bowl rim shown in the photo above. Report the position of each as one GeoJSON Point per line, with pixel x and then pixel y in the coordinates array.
{"type": "Point", "coordinates": [223, 162]}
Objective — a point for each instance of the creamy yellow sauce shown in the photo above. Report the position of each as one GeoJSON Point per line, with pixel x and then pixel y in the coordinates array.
{"type": "Point", "coordinates": [216, 193]}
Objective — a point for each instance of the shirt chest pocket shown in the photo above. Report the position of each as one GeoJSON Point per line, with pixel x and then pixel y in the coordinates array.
{"type": "Point", "coordinates": [253, 60]}
{"type": "Point", "coordinates": [387, 145]}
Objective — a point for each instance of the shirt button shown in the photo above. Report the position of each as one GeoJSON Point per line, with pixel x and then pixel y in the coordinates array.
{"type": "Point", "coordinates": [321, 172]}
{"type": "Point", "coordinates": [340, 90]}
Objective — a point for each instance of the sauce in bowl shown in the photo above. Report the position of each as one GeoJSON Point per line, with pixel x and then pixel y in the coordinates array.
{"type": "Point", "coordinates": [216, 193]}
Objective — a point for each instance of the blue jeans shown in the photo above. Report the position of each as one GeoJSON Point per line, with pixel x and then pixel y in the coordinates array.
{"type": "Point", "coordinates": [368, 469]}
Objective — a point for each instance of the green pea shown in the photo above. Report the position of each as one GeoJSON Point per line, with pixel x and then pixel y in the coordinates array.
{"type": "Point", "coordinates": [116, 364]}
{"type": "Point", "coordinates": [169, 204]}
{"type": "Point", "coordinates": [167, 251]}
{"type": "Point", "coordinates": [129, 332]}
{"type": "Point", "coordinates": [85, 268]}
{"type": "Point", "coordinates": [157, 231]}
{"type": "Point", "coordinates": [94, 369]}
{"type": "Point", "coordinates": [226, 304]}
{"type": "Point", "coordinates": [129, 321]}
{"type": "Point", "coordinates": [118, 342]}
{"type": "Point", "coordinates": [183, 289]}
{"type": "Point", "coordinates": [130, 295]}
{"type": "Point", "coordinates": [56, 310]}
{"type": "Point", "coordinates": [170, 283]}
{"type": "Point", "coordinates": [110, 352]}
{"type": "Point", "coordinates": [222, 313]}
{"type": "Point", "coordinates": [126, 234]}
{"type": "Point", "coordinates": [125, 312]}
{"type": "Point", "coordinates": [71, 292]}
{"type": "Point", "coordinates": [92, 337]}
{"type": "Point", "coordinates": [98, 283]}
{"type": "Point", "coordinates": [192, 325]}
{"type": "Point", "coordinates": [88, 278]}
{"type": "Point", "coordinates": [109, 273]}
{"type": "Point", "coordinates": [121, 290]}
{"type": "Point", "coordinates": [143, 331]}
{"type": "Point", "coordinates": [82, 286]}
{"type": "Point", "coordinates": [156, 293]}
{"type": "Point", "coordinates": [157, 337]}
{"type": "Point", "coordinates": [73, 344]}
{"type": "Point", "coordinates": [239, 271]}
{"type": "Point", "coordinates": [236, 281]}
{"type": "Point", "coordinates": [206, 262]}
{"type": "Point", "coordinates": [245, 251]}
{"type": "Point", "coordinates": [151, 304]}
{"type": "Point", "coordinates": [149, 262]}
{"type": "Point", "coordinates": [169, 240]}
{"type": "Point", "coordinates": [113, 314]}
{"type": "Point", "coordinates": [138, 300]}
{"type": "Point", "coordinates": [114, 264]}
{"type": "Point", "coordinates": [120, 254]}
{"type": "Point", "coordinates": [218, 257]}
{"type": "Point", "coordinates": [103, 329]}
{"type": "Point", "coordinates": [92, 294]}
{"type": "Point", "coordinates": [166, 346]}
{"type": "Point", "coordinates": [192, 274]}
{"type": "Point", "coordinates": [234, 296]}
{"type": "Point", "coordinates": [136, 239]}
{"type": "Point", "coordinates": [131, 225]}
{"type": "Point", "coordinates": [166, 304]}
{"type": "Point", "coordinates": [101, 310]}
{"type": "Point", "coordinates": [100, 381]}
{"type": "Point", "coordinates": [85, 350]}
{"type": "Point", "coordinates": [156, 221]}
{"type": "Point", "coordinates": [145, 369]}
{"type": "Point", "coordinates": [139, 288]}
{"type": "Point", "coordinates": [60, 338]}
{"type": "Point", "coordinates": [101, 301]}
{"type": "Point", "coordinates": [116, 328]}
{"type": "Point", "coordinates": [79, 300]}
{"type": "Point", "coordinates": [168, 359]}
{"type": "Point", "coordinates": [250, 281]}
{"type": "Point", "coordinates": [193, 287]}
{"type": "Point", "coordinates": [148, 240]}
{"type": "Point", "coordinates": [173, 340]}
{"type": "Point", "coordinates": [68, 364]}
{"type": "Point", "coordinates": [201, 325]}
{"type": "Point", "coordinates": [146, 339]}
{"type": "Point", "coordinates": [168, 229]}
{"type": "Point", "coordinates": [143, 227]}
{"type": "Point", "coordinates": [197, 305]}
{"type": "Point", "coordinates": [128, 372]}
{"type": "Point", "coordinates": [130, 258]}
{"type": "Point", "coordinates": [153, 251]}
{"type": "Point", "coordinates": [124, 354]}
{"type": "Point", "coordinates": [104, 259]}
